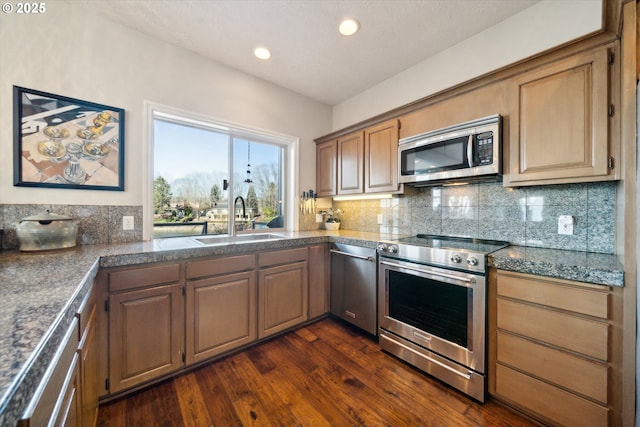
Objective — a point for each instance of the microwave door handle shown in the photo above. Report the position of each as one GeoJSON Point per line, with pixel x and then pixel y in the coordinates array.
{"type": "Point", "coordinates": [470, 151]}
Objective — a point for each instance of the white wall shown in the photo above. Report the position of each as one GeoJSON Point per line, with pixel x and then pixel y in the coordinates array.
{"type": "Point", "coordinates": [68, 51]}
{"type": "Point", "coordinates": [542, 26]}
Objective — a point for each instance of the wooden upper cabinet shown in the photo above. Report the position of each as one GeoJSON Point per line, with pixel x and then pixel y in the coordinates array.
{"type": "Point", "coordinates": [350, 163]}
{"type": "Point", "coordinates": [326, 168]}
{"type": "Point", "coordinates": [365, 161]}
{"type": "Point", "coordinates": [381, 157]}
{"type": "Point", "coordinates": [560, 124]}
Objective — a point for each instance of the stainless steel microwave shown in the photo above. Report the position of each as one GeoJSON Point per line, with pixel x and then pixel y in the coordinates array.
{"type": "Point", "coordinates": [470, 151]}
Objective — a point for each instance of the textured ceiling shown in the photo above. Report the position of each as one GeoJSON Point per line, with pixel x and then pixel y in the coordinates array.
{"type": "Point", "coordinates": [309, 56]}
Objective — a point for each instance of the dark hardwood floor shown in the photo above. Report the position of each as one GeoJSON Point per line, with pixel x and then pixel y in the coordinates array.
{"type": "Point", "coordinates": [324, 374]}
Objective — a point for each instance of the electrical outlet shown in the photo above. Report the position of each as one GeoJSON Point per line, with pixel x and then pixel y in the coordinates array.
{"type": "Point", "coordinates": [127, 223]}
{"type": "Point", "coordinates": [380, 219]}
{"type": "Point", "coordinates": [318, 218]}
{"type": "Point", "coordinates": [565, 224]}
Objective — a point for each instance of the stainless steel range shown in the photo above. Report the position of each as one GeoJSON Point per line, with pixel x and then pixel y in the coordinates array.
{"type": "Point", "coordinates": [432, 306]}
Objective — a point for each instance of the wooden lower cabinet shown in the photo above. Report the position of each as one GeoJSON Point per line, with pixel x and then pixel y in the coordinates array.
{"type": "Point", "coordinates": [161, 318]}
{"type": "Point", "coordinates": [88, 359]}
{"type": "Point", "coordinates": [221, 314]}
{"type": "Point", "coordinates": [282, 290]}
{"type": "Point", "coordinates": [68, 392]}
{"type": "Point", "coordinates": [550, 357]}
{"type": "Point", "coordinates": [146, 335]}
{"type": "Point", "coordinates": [319, 280]}
{"type": "Point", "coordinates": [56, 400]}
{"type": "Point", "coordinates": [561, 407]}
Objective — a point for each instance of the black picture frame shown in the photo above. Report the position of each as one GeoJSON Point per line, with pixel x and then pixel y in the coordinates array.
{"type": "Point", "coordinates": [62, 142]}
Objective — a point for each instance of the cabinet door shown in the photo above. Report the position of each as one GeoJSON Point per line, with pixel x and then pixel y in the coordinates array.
{"type": "Point", "coordinates": [381, 157]}
{"type": "Point", "coordinates": [221, 314]}
{"type": "Point", "coordinates": [326, 164]}
{"type": "Point", "coordinates": [282, 297]}
{"type": "Point", "coordinates": [318, 280]}
{"type": "Point", "coordinates": [559, 125]}
{"type": "Point", "coordinates": [350, 163]}
{"type": "Point", "coordinates": [146, 335]}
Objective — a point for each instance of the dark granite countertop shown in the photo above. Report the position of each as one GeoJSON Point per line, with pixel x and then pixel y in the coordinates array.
{"type": "Point", "coordinates": [589, 267]}
{"type": "Point", "coordinates": [41, 292]}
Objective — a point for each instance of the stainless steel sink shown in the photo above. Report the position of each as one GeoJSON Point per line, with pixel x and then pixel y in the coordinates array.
{"type": "Point", "coordinates": [240, 238]}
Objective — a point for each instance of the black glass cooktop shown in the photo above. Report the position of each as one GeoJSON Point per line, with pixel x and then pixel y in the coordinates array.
{"type": "Point", "coordinates": [455, 243]}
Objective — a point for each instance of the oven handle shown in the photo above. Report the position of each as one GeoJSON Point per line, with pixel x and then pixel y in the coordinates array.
{"type": "Point", "coordinates": [442, 365]}
{"type": "Point", "coordinates": [433, 273]}
{"type": "Point", "coordinates": [366, 258]}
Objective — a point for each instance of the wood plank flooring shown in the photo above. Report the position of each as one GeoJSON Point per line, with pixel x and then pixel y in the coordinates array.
{"type": "Point", "coordinates": [324, 374]}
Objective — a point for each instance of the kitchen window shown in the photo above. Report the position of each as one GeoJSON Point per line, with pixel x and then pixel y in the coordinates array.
{"type": "Point", "coordinates": [216, 178]}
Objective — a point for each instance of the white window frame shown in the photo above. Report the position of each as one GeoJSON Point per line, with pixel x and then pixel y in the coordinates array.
{"type": "Point", "coordinates": [153, 110]}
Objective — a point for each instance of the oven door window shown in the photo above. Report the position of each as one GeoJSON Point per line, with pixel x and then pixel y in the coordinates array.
{"type": "Point", "coordinates": [441, 309]}
{"type": "Point", "coordinates": [436, 157]}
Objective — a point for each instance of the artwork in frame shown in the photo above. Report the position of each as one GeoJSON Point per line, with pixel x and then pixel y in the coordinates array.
{"type": "Point", "coordinates": [62, 142]}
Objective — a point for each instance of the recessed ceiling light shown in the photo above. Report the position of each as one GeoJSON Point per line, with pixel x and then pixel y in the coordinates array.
{"type": "Point", "coordinates": [349, 27]}
{"type": "Point", "coordinates": [262, 53]}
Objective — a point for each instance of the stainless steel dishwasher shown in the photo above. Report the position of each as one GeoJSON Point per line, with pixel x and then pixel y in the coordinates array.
{"type": "Point", "coordinates": [354, 286]}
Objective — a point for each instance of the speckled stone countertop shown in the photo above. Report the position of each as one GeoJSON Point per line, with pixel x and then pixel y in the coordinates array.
{"type": "Point", "coordinates": [41, 292]}
{"type": "Point", "coordinates": [601, 269]}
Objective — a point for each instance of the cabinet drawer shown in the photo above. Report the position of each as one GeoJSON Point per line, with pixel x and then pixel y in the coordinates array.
{"type": "Point", "coordinates": [561, 368]}
{"type": "Point", "coordinates": [557, 405]}
{"type": "Point", "coordinates": [50, 397]}
{"type": "Point", "coordinates": [282, 257]}
{"type": "Point", "coordinates": [144, 276]}
{"type": "Point", "coordinates": [557, 294]}
{"type": "Point", "coordinates": [571, 332]}
{"type": "Point", "coordinates": [218, 266]}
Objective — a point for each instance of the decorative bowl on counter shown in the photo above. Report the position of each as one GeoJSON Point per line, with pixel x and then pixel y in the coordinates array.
{"type": "Point", "coordinates": [332, 225]}
{"type": "Point", "coordinates": [46, 231]}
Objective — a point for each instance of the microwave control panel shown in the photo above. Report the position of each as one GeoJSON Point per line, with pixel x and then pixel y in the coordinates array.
{"type": "Point", "coordinates": [483, 149]}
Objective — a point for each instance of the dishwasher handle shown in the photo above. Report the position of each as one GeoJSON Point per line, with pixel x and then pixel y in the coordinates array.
{"type": "Point", "coordinates": [366, 258]}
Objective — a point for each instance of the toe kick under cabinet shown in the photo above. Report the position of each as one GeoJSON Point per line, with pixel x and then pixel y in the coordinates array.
{"type": "Point", "coordinates": [551, 348]}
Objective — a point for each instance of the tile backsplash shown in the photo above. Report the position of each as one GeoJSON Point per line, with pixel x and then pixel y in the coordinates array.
{"type": "Point", "coordinates": [526, 216]}
{"type": "Point", "coordinates": [96, 224]}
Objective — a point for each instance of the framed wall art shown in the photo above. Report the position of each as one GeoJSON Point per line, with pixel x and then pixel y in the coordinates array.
{"type": "Point", "coordinates": [62, 142]}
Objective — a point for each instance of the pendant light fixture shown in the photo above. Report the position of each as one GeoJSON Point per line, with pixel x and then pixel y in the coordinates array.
{"type": "Point", "coordinates": [248, 178]}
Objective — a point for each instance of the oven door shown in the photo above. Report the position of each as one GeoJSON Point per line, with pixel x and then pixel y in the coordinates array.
{"type": "Point", "coordinates": [441, 310]}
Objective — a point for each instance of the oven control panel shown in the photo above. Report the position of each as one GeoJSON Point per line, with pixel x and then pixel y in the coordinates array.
{"type": "Point", "coordinates": [457, 259]}
{"type": "Point", "coordinates": [460, 260]}
{"type": "Point", "coordinates": [456, 253]}
{"type": "Point", "coordinates": [389, 248]}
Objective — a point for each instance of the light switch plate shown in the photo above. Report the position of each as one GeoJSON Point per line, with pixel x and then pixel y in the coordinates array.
{"type": "Point", "coordinates": [127, 223]}
{"type": "Point", "coordinates": [565, 224]}
{"type": "Point", "coordinates": [380, 219]}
